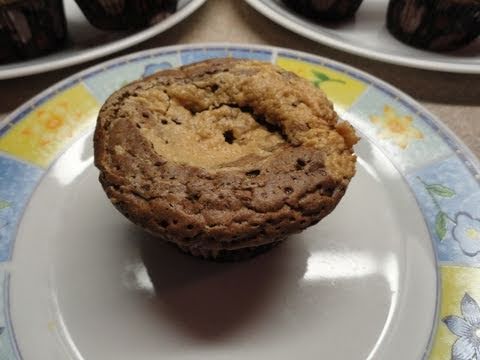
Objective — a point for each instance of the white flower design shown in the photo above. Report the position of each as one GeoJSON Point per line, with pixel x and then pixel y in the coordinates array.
{"type": "Point", "coordinates": [467, 233]}
{"type": "Point", "coordinates": [467, 346]}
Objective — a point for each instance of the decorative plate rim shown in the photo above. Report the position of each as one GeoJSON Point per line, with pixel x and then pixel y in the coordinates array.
{"type": "Point", "coordinates": [56, 87]}
{"type": "Point", "coordinates": [447, 135]}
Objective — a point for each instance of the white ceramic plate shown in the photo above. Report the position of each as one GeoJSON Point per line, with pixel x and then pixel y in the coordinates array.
{"type": "Point", "coordinates": [78, 281]}
{"type": "Point", "coordinates": [88, 43]}
{"type": "Point", "coordinates": [366, 35]}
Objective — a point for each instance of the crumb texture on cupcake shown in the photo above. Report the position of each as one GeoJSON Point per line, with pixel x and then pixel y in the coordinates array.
{"type": "Point", "coordinates": [224, 154]}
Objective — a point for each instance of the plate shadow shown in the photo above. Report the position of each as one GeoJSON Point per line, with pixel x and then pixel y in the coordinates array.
{"type": "Point", "coordinates": [211, 301]}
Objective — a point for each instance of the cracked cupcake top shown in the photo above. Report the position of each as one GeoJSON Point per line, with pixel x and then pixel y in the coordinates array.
{"type": "Point", "coordinates": [223, 154]}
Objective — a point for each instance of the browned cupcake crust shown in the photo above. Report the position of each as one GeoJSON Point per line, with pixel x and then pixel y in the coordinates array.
{"type": "Point", "coordinates": [223, 154]}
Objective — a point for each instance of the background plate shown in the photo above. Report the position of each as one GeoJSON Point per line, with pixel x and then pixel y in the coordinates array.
{"type": "Point", "coordinates": [88, 43]}
{"type": "Point", "coordinates": [366, 35]}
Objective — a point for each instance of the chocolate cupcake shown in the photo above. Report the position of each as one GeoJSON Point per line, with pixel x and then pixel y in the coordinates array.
{"type": "Point", "coordinates": [434, 24]}
{"type": "Point", "coordinates": [29, 28]}
{"type": "Point", "coordinates": [126, 14]}
{"type": "Point", "coordinates": [325, 9]}
{"type": "Point", "coordinates": [224, 158]}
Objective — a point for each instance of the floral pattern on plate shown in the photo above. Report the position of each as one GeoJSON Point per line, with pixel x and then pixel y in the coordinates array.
{"type": "Point", "coordinates": [397, 128]}
{"type": "Point", "coordinates": [467, 328]}
{"type": "Point", "coordinates": [458, 334]}
{"type": "Point", "coordinates": [341, 88]}
{"type": "Point", "coordinates": [449, 198]}
{"type": "Point", "coordinates": [408, 141]}
{"type": "Point", "coordinates": [467, 233]}
{"type": "Point", "coordinates": [49, 127]}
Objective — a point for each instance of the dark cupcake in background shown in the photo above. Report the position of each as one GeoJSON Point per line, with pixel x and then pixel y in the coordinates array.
{"type": "Point", "coordinates": [333, 10]}
{"type": "Point", "coordinates": [434, 24]}
{"type": "Point", "coordinates": [30, 28]}
{"type": "Point", "coordinates": [126, 14]}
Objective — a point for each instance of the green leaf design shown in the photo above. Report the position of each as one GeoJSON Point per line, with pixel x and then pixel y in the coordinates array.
{"type": "Point", "coordinates": [320, 76]}
{"type": "Point", "coordinates": [441, 190]}
{"type": "Point", "coordinates": [4, 204]}
{"type": "Point", "coordinates": [441, 225]}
